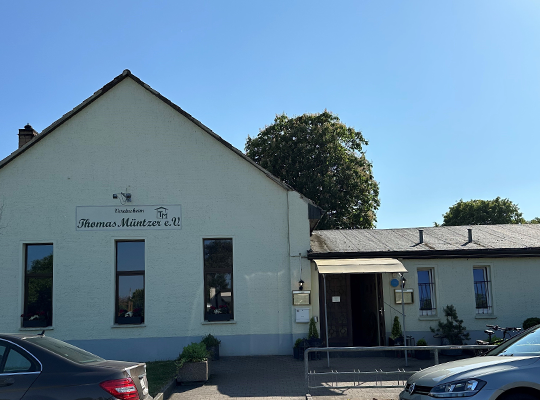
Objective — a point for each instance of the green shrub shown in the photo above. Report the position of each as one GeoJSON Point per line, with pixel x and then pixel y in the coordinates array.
{"type": "Point", "coordinates": [298, 342]}
{"type": "Point", "coordinates": [396, 329]}
{"type": "Point", "coordinates": [453, 329]}
{"type": "Point", "coordinates": [195, 352]}
{"type": "Point", "coordinates": [530, 322]}
{"type": "Point", "coordinates": [210, 341]}
{"type": "Point", "coordinates": [421, 342]}
{"type": "Point", "coordinates": [313, 332]}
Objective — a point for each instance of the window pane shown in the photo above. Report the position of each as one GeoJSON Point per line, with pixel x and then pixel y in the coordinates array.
{"type": "Point", "coordinates": [17, 363]}
{"type": "Point", "coordinates": [39, 258]}
{"type": "Point", "coordinates": [130, 256]}
{"type": "Point", "coordinates": [481, 290]}
{"type": "Point", "coordinates": [218, 253]}
{"type": "Point", "coordinates": [218, 293]}
{"type": "Point", "coordinates": [423, 277]}
{"type": "Point", "coordinates": [479, 274]}
{"type": "Point", "coordinates": [131, 296]}
{"type": "Point", "coordinates": [38, 300]}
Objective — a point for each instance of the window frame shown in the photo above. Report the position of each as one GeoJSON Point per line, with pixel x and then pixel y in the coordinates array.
{"type": "Point", "coordinates": [218, 270]}
{"type": "Point", "coordinates": [486, 272]}
{"type": "Point", "coordinates": [27, 277]}
{"type": "Point", "coordinates": [118, 274]}
{"type": "Point", "coordinates": [432, 287]}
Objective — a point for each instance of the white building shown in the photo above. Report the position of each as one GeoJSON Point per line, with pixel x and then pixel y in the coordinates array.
{"type": "Point", "coordinates": [487, 272]}
{"type": "Point", "coordinates": [130, 229]}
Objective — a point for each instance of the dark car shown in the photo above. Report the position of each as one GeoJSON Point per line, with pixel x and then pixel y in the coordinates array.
{"type": "Point", "coordinates": [36, 367]}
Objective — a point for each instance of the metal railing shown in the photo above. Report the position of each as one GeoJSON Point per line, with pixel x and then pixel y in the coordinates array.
{"type": "Point", "coordinates": [356, 382]}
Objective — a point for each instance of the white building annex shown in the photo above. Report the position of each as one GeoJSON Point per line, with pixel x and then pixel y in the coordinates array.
{"type": "Point", "coordinates": [487, 272]}
{"type": "Point", "coordinates": [130, 229]}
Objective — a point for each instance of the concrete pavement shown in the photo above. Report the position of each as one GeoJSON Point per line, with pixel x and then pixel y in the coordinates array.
{"type": "Point", "coordinates": [282, 377]}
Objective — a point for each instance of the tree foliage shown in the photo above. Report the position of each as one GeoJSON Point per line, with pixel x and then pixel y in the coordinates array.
{"type": "Point", "coordinates": [323, 159]}
{"type": "Point", "coordinates": [483, 212]}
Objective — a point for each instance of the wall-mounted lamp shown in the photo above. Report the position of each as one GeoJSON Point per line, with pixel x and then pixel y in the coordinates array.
{"type": "Point", "coordinates": [125, 197]}
{"type": "Point", "coordinates": [300, 284]}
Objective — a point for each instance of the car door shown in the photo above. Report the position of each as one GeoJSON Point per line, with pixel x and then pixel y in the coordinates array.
{"type": "Point", "coordinates": [18, 370]}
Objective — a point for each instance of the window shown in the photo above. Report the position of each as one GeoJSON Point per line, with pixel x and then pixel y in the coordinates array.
{"type": "Point", "coordinates": [482, 290]}
{"type": "Point", "coordinates": [218, 279]}
{"type": "Point", "coordinates": [129, 282]}
{"type": "Point", "coordinates": [15, 361]}
{"type": "Point", "coordinates": [426, 292]}
{"type": "Point", "coordinates": [38, 286]}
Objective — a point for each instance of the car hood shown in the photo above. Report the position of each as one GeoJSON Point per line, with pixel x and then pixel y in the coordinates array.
{"type": "Point", "coordinates": [467, 369]}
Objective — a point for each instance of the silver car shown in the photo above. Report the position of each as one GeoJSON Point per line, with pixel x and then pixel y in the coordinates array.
{"type": "Point", "coordinates": [511, 371]}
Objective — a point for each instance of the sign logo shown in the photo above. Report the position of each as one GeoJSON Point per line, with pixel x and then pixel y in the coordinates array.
{"type": "Point", "coordinates": [412, 387]}
{"type": "Point", "coordinates": [161, 213]}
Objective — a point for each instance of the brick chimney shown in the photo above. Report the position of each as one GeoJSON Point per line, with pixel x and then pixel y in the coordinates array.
{"type": "Point", "coordinates": [26, 134]}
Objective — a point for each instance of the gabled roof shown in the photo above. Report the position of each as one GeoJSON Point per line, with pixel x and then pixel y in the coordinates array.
{"type": "Point", "coordinates": [438, 242]}
{"type": "Point", "coordinates": [127, 74]}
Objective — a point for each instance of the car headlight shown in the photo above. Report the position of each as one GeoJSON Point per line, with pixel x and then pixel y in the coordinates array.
{"type": "Point", "coordinates": [464, 388]}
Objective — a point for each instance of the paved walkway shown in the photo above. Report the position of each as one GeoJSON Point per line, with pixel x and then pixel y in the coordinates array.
{"type": "Point", "coordinates": [282, 377]}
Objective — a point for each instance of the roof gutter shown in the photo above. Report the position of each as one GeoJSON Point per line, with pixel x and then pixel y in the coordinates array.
{"type": "Point", "coordinates": [423, 254]}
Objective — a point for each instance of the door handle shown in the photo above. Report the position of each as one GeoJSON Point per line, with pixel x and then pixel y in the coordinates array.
{"type": "Point", "coordinates": [7, 382]}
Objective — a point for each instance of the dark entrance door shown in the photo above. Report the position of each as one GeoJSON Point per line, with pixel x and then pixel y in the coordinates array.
{"type": "Point", "coordinates": [338, 291]}
{"type": "Point", "coordinates": [355, 311]}
{"type": "Point", "coordinates": [364, 310]}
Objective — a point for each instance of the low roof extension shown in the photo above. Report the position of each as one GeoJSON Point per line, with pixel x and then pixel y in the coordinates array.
{"type": "Point", "coordinates": [433, 242]}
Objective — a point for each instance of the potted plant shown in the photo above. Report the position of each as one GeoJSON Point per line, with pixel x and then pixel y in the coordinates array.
{"type": "Point", "coordinates": [34, 320]}
{"type": "Point", "coordinates": [396, 336]}
{"type": "Point", "coordinates": [452, 330]}
{"type": "Point", "coordinates": [298, 349]}
{"type": "Point", "coordinates": [212, 345]}
{"type": "Point", "coordinates": [422, 354]}
{"type": "Point", "coordinates": [313, 339]}
{"type": "Point", "coordinates": [221, 313]}
{"type": "Point", "coordinates": [192, 364]}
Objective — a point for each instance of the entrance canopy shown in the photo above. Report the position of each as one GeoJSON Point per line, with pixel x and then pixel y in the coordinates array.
{"type": "Point", "coordinates": [359, 266]}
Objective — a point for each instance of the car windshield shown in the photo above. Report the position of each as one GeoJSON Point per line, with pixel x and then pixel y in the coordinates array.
{"type": "Point", "coordinates": [526, 344]}
{"type": "Point", "coordinates": [65, 350]}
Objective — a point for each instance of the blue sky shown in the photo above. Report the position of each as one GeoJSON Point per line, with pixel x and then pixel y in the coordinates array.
{"type": "Point", "coordinates": [446, 93]}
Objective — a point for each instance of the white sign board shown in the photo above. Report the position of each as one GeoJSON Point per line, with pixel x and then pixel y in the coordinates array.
{"type": "Point", "coordinates": [109, 218]}
{"type": "Point", "coordinates": [336, 299]}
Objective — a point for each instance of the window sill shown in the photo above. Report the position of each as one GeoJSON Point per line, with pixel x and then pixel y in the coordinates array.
{"type": "Point", "coordinates": [428, 318]}
{"type": "Point", "coordinates": [43, 328]}
{"type": "Point", "coordinates": [218, 322]}
{"type": "Point", "coordinates": [128, 326]}
{"type": "Point", "coordinates": [485, 316]}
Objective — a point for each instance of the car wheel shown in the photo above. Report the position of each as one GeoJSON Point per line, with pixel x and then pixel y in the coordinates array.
{"type": "Point", "coordinates": [519, 396]}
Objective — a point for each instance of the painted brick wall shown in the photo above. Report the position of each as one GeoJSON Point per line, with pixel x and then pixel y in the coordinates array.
{"type": "Point", "coordinates": [129, 140]}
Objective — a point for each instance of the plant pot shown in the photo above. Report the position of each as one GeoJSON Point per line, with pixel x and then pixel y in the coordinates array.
{"type": "Point", "coordinates": [35, 323]}
{"type": "Point", "coordinates": [129, 320]}
{"type": "Point", "coordinates": [214, 352]}
{"type": "Point", "coordinates": [296, 352]}
{"type": "Point", "coordinates": [210, 317]}
{"type": "Point", "coordinates": [422, 354]}
{"type": "Point", "coordinates": [193, 372]}
{"type": "Point", "coordinates": [315, 342]}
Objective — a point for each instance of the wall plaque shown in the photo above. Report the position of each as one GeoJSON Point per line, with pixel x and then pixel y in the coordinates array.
{"type": "Point", "coordinates": [110, 218]}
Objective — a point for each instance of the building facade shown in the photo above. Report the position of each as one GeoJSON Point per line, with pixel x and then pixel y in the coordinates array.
{"type": "Point", "coordinates": [130, 229]}
{"type": "Point", "coordinates": [487, 272]}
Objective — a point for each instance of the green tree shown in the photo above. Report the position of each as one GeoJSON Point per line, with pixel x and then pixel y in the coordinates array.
{"type": "Point", "coordinates": [483, 212]}
{"type": "Point", "coordinates": [534, 221]}
{"type": "Point", "coordinates": [322, 158]}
